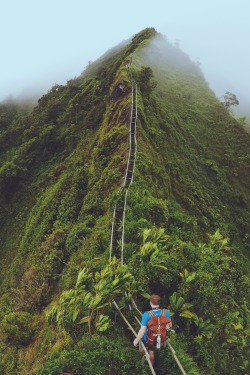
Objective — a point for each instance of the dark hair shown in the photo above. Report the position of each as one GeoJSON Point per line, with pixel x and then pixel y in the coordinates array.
{"type": "Point", "coordinates": [155, 299]}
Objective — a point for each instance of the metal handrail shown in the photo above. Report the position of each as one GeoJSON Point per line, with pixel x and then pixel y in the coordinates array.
{"type": "Point", "coordinates": [125, 200]}
{"type": "Point", "coordinates": [135, 334]}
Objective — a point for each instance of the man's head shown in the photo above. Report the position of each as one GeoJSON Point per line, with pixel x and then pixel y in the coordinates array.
{"type": "Point", "coordinates": [155, 300]}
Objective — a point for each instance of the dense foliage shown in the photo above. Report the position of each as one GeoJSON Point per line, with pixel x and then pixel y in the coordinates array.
{"type": "Point", "coordinates": [187, 220]}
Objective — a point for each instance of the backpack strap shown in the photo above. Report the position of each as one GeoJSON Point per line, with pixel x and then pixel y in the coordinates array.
{"type": "Point", "coordinates": [163, 313]}
{"type": "Point", "coordinates": [151, 314]}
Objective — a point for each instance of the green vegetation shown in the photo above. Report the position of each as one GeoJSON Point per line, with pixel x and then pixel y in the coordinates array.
{"type": "Point", "coordinates": [186, 230]}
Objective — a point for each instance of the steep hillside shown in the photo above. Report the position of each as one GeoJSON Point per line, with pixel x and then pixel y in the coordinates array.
{"type": "Point", "coordinates": [186, 233]}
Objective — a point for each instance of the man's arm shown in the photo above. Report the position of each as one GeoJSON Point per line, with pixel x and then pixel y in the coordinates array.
{"type": "Point", "coordinates": [140, 335]}
{"type": "Point", "coordinates": [168, 315]}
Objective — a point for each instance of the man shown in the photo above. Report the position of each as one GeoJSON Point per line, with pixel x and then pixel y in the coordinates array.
{"type": "Point", "coordinates": [146, 318]}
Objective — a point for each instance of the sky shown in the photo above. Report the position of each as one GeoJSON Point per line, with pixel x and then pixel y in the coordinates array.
{"type": "Point", "coordinates": [44, 42]}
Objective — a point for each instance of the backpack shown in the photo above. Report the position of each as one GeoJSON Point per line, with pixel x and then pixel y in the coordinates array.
{"type": "Point", "coordinates": [157, 329]}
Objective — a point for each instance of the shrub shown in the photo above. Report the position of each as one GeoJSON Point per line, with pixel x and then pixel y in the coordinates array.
{"type": "Point", "coordinates": [98, 355]}
{"type": "Point", "coordinates": [18, 328]}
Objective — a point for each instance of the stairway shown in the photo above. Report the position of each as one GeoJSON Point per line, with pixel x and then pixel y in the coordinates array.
{"type": "Point", "coordinates": [117, 233]}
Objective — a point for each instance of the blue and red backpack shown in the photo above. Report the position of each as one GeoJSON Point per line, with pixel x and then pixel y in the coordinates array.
{"type": "Point", "coordinates": [157, 328]}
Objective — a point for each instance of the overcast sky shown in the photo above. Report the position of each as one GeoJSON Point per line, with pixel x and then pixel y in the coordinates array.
{"type": "Point", "coordinates": [44, 42]}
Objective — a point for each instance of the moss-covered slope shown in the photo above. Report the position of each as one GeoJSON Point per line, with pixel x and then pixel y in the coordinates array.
{"type": "Point", "coordinates": [61, 168]}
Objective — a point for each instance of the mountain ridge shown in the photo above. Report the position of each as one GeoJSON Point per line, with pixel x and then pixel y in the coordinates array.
{"type": "Point", "coordinates": [61, 170]}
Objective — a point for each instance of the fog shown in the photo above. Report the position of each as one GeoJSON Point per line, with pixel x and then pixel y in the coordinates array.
{"type": "Point", "coordinates": [44, 43]}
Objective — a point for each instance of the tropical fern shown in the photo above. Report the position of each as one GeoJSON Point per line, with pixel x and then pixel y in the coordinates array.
{"type": "Point", "coordinates": [92, 295]}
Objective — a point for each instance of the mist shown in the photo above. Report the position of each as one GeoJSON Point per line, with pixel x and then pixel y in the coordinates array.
{"type": "Point", "coordinates": [51, 42]}
{"type": "Point", "coordinates": [173, 54]}
{"type": "Point", "coordinates": [38, 83]}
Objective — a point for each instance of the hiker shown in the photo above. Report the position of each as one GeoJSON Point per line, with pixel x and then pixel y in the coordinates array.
{"type": "Point", "coordinates": [154, 326]}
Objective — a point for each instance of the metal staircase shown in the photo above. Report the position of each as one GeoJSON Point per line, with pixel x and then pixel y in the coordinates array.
{"type": "Point", "coordinates": [118, 222]}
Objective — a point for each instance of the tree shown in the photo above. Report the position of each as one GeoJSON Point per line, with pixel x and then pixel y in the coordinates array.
{"type": "Point", "coordinates": [230, 100]}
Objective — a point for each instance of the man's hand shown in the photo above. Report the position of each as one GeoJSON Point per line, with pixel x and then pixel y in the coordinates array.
{"type": "Point", "coordinates": [135, 342]}
{"type": "Point", "coordinates": [140, 335]}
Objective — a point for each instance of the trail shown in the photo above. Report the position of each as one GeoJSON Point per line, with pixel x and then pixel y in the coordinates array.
{"type": "Point", "coordinates": [119, 215]}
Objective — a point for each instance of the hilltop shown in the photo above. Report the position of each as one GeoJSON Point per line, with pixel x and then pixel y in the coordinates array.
{"type": "Point", "coordinates": [186, 234]}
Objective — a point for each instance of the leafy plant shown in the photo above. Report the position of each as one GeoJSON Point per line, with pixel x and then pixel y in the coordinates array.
{"type": "Point", "coordinates": [187, 278]}
{"type": "Point", "coordinates": [179, 307]}
{"type": "Point", "coordinates": [92, 295]}
{"type": "Point", "coordinates": [154, 247]}
{"type": "Point", "coordinates": [205, 328]}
